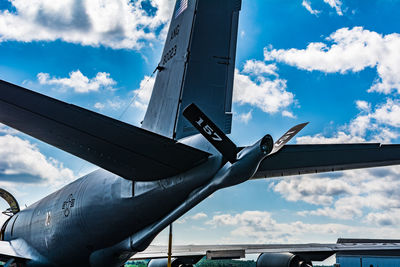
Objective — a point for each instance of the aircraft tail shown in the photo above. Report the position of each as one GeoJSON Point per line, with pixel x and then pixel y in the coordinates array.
{"type": "Point", "coordinates": [197, 66]}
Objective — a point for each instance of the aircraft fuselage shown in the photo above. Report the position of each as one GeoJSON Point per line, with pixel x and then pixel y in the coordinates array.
{"type": "Point", "coordinates": [95, 213]}
{"type": "Point", "coordinates": [102, 219]}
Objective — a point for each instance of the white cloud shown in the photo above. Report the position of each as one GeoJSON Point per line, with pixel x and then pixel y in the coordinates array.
{"type": "Point", "coordinates": [367, 194]}
{"type": "Point", "coordinates": [385, 135]}
{"type": "Point", "coordinates": [138, 98]}
{"type": "Point", "coordinates": [113, 104]}
{"type": "Point", "coordinates": [143, 94]}
{"type": "Point", "coordinates": [7, 130]}
{"type": "Point", "coordinates": [386, 218]}
{"type": "Point", "coordinates": [372, 204]}
{"type": "Point", "coordinates": [99, 105]}
{"type": "Point", "coordinates": [260, 218]}
{"type": "Point", "coordinates": [350, 50]}
{"type": "Point", "coordinates": [270, 96]}
{"type": "Point", "coordinates": [79, 82]}
{"type": "Point", "coordinates": [388, 113]}
{"type": "Point", "coordinates": [255, 67]}
{"type": "Point", "coordinates": [181, 221]}
{"type": "Point", "coordinates": [337, 5]}
{"type": "Point", "coordinates": [360, 125]}
{"type": "Point", "coordinates": [19, 158]}
{"type": "Point", "coordinates": [373, 125]}
{"type": "Point", "coordinates": [361, 194]}
{"type": "Point", "coordinates": [199, 216]}
{"type": "Point", "coordinates": [342, 212]}
{"type": "Point", "coordinates": [112, 23]}
{"type": "Point", "coordinates": [261, 227]}
{"type": "Point", "coordinates": [339, 137]}
{"type": "Point", "coordinates": [319, 191]}
{"type": "Point", "coordinates": [363, 105]}
{"type": "Point", "coordinates": [288, 114]}
{"type": "Point", "coordinates": [244, 117]}
{"type": "Point", "coordinates": [195, 217]}
{"type": "Point", "coordinates": [256, 225]}
{"type": "Point", "coordinates": [307, 5]}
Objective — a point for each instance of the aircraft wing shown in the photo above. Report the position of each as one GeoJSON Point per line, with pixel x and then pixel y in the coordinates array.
{"type": "Point", "coordinates": [309, 252]}
{"type": "Point", "coordinates": [126, 150]}
{"type": "Point", "coordinates": [7, 252]}
{"type": "Point", "coordinates": [304, 159]}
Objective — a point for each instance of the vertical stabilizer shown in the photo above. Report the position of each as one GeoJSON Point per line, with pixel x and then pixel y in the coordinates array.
{"type": "Point", "coordinates": [197, 66]}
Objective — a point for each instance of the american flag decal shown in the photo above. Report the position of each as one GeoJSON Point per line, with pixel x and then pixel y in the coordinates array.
{"type": "Point", "coordinates": [180, 7]}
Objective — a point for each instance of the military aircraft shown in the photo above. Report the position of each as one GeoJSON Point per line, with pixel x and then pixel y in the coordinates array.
{"type": "Point", "coordinates": [150, 176]}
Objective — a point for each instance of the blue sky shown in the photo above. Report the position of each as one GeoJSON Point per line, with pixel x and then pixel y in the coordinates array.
{"type": "Point", "coordinates": [334, 63]}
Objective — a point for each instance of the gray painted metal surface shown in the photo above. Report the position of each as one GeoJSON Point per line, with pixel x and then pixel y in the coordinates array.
{"type": "Point", "coordinates": [69, 222]}
{"type": "Point", "coordinates": [126, 150]}
{"type": "Point", "coordinates": [307, 159]}
{"type": "Point", "coordinates": [199, 63]}
{"type": "Point", "coordinates": [75, 225]}
{"type": "Point", "coordinates": [209, 73]}
{"type": "Point", "coordinates": [162, 110]}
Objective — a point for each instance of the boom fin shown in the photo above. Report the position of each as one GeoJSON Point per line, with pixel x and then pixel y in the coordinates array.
{"type": "Point", "coordinates": [287, 137]}
{"type": "Point", "coordinates": [211, 132]}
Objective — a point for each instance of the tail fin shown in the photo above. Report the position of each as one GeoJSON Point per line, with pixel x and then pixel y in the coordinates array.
{"type": "Point", "coordinates": [197, 66]}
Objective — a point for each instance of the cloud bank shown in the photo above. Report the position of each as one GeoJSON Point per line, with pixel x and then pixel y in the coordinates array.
{"type": "Point", "coordinates": [307, 5]}
{"type": "Point", "coordinates": [79, 82]}
{"type": "Point", "coordinates": [118, 24]}
{"type": "Point", "coordinates": [260, 86]}
{"type": "Point", "coordinates": [349, 50]}
{"type": "Point", "coordinates": [21, 161]}
{"type": "Point", "coordinates": [336, 4]}
{"type": "Point", "coordinates": [257, 226]}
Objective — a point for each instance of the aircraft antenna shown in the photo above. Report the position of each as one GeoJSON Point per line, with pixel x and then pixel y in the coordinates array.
{"type": "Point", "coordinates": [169, 246]}
{"type": "Point", "coordinates": [135, 96]}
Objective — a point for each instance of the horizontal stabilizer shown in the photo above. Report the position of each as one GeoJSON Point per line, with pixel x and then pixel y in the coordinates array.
{"type": "Point", "coordinates": [126, 150]}
{"type": "Point", "coordinates": [305, 159]}
{"type": "Point", "coordinates": [211, 132]}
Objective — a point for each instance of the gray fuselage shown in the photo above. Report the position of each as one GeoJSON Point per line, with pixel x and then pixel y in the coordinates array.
{"type": "Point", "coordinates": [102, 219]}
{"type": "Point", "coordinates": [97, 212]}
